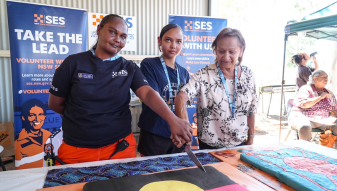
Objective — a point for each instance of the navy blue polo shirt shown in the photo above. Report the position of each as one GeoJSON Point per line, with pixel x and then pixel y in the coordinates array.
{"type": "Point", "coordinates": [156, 77]}
{"type": "Point", "coordinates": [98, 94]}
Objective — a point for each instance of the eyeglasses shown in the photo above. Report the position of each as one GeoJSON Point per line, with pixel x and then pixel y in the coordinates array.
{"type": "Point", "coordinates": [323, 77]}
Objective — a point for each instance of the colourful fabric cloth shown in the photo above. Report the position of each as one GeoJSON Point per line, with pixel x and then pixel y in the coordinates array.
{"type": "Point", "coordinates": [296, 167]}
{"type": "Point", "coordinates": [58, 177]}
{"type": "Point", "coordinates": [177, 180]}
{"type": "Point", "coordinates": [320, 110]}
{"type": "Point", "coordinates": [232, 157]}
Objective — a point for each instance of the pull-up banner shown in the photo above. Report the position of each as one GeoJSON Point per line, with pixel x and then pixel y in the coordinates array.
{"type": "Point", "coordinates": [199, 33]}
{"type": "Point", "coordinates": [41, 37]}
{"type": "Point", "coordinates": [94, 19]}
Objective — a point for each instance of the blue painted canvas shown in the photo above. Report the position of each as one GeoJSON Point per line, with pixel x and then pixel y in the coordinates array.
{"type": "Point", "coordinates": [296, 167]}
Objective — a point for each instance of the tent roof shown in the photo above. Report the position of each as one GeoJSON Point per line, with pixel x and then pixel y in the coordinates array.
{"type": "Point", "coordinates": [321, 24]}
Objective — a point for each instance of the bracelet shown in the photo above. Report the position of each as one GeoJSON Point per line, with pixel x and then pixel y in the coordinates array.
{"type": "Point", "coordinates": [251, 135]}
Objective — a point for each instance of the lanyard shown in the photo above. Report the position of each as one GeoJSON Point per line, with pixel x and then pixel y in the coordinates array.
{"type": "Point", "coordinates": [169, 83]}
{"type": "Point", "coordinates": [108, 59]}
{"type": "Point", "coordinates": [231, 104]}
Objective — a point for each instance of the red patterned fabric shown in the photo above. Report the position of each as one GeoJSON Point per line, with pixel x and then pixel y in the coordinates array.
{"type": "Point", "coordinates": [312, 165]}
{"type": "Point", "coordinates": [318, 111]}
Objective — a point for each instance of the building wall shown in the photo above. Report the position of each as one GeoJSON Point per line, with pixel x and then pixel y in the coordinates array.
{"type": "Point", "coordinates": [151, 16]}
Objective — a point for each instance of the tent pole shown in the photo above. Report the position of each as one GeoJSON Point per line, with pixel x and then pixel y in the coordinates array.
{"type": "Point", "coordinates": [282, 93]}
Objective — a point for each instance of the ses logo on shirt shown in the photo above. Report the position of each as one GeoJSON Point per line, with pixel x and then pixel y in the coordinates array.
{"type": "Point", "coordinates": [85, 76]}
{"type": "Point", "coordinates": [120, 73]}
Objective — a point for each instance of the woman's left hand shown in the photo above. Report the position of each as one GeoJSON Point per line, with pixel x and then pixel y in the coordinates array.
{"type": "Point", "coordinates": [181, 132]}
{"type": "Point", "coordinates": [249, 141]}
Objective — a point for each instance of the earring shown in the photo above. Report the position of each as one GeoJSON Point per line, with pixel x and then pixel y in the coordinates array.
{"type": "Point", "coordinates": [159, 48]}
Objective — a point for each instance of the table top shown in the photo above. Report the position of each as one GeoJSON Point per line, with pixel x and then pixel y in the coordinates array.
{"type": "Point", "coordinates": [32, 179]}
{"type": "Point", "coordinates": [233, 173]}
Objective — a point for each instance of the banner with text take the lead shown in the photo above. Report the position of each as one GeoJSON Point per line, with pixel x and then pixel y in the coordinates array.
{"type": "Point", "coordinates": [41, 37]}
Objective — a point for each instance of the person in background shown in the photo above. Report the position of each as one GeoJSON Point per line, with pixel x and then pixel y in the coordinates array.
{"type": "Point", "coordinates": [92, 91]}
{"type": "Point", "coordinates": [226, 96]}
{"type": "Point", "coordinates": [165, 76]}
{"type": "Point", "coordinates": [313, 106]}
{"type": "Point", "coordinates": [195, 141]}
{"type": "Point", "coordinates": [303, 72]}
{"type": "Point", "coordinates": [29, 145]}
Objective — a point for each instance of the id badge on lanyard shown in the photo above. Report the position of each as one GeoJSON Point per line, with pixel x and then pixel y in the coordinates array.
{"type": "Point", "coordinates": [169, 82]}
{"type": "Point", "coordinates": [231, 104]}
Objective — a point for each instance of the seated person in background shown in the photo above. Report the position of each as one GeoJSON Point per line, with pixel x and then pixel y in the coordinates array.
{"type": "Point", "coordinates": [313, 105]}
{"type": "Point", "coordinates": [304, 71]}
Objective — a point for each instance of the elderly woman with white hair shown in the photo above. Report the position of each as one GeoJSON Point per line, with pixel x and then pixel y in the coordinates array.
{"type": "Point", "coordinates": [313, 106]}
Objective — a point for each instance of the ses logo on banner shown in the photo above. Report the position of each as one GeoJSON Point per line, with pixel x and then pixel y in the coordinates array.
{"type": "Point", "coordinates": [197, 26]}
{"type": "Point", "coordinates": [94, 19]}
{"type": "Point", "coordinates": [49, 20]}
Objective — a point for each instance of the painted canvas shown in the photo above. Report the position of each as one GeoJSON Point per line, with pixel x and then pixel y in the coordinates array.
{"type": "Point", "coordinates": [185, 180]}
{"type": "Point", "coordinates": [296, 167]}
{"type": "Point", "coordinates": [232, 157]}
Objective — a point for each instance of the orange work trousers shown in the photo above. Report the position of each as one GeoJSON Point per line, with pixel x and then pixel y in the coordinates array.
{"type": "Point", "coordinates": [70, 154]}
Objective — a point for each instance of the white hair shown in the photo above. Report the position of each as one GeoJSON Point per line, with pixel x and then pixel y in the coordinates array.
{"type": "Point", "coordinates": [316, 73]}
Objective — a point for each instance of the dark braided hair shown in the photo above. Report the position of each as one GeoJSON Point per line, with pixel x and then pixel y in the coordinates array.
{"type": "Point", "coordinates": [107, 19]}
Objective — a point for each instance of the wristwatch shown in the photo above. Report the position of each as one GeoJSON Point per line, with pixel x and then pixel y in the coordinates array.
{"type": "Point", "coordinates": [251, 135]}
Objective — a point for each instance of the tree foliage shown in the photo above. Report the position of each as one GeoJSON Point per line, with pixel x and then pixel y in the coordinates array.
{"type": "Point", "coordinates": [246, 11]}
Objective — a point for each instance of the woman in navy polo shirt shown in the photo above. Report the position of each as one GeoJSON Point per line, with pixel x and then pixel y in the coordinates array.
{"type": "Point", "coordinates": [92, 91]}
{"type": "Point", "coordinates": [165, 76]}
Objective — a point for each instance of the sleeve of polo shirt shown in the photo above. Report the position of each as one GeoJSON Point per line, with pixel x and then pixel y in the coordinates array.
{"type": "Point", "coordinates": [62, 79]}
{"type": "Point", "coordinates": [187, 78]}
{"type": "Point", "coordinates": [192, 88]}
{"type": "Point", "coordinates": [148, 72]}
{"type": "Point", "coordinates": [138, 79]}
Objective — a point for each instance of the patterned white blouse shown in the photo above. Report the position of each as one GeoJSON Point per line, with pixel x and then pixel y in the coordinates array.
{"type": "Point", "coordinates": [216, 127]}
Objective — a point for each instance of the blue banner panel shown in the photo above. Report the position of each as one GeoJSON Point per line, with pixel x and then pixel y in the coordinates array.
{"type": "Point", "coordinates": [199, 33]}
{"type": "Point", "coordinates": [41, 37]}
